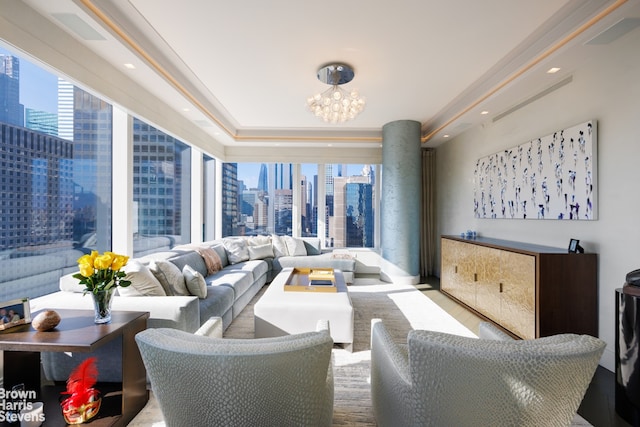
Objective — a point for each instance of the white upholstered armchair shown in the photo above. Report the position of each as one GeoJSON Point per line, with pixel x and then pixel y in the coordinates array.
{"type": "Point", "coordinates": [440, 379]}
{"type": "Point", "coordinates": [200, 380]}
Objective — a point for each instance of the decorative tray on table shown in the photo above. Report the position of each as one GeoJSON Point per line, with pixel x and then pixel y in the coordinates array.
{"type": "Point", "coordinates": [311, 280]}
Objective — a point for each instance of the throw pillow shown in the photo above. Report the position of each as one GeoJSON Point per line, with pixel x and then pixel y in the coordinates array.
{"type": "Point", "coordinates": [236, 250]}
{"type": "Point", "coordinates": [170, 277]}
{"type": "Point", "coordinates": [195, 282]}
{"type": "Point", "coordinates": [259, 240]}
{"type": "Point", "coordinates": [312, 245]}
{"type": "Point", "coordinates": [279, 247]}
{"type": "Point", "coordinates": [295, 246]}
{"type": "Point", "coordinates": [68, 283]}
{"type": "Point", "coordinates": [143, 282]}
{"type": "Point", "coordinates": [211, 259]}
{"type": "Point", "coordinates": [261, 251]}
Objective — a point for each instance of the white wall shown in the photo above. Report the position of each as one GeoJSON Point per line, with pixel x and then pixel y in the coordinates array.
{"type": "Point", "coordinates": [607, 89]}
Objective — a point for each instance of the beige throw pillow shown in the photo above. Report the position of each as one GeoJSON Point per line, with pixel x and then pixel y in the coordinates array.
{"type": "Point", "coordinates": [170, 277]}
{"type": "Point", "coordinates": [143, 282]}
{"type": "Point", "coordinates": [195, 282]}
{"type": "Point", "coordinates": [295, 246]}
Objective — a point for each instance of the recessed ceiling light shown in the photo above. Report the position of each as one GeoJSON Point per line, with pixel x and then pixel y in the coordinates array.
{"type": "Point", "coordinates": [484, 112]}
{"type": "Point", "coordinates": [445, 136]}
{"type": "Point", "coordinates": [130, 66]}
{"type": "Point", "coordinates": [185, 109]}
{"type": "Point", "coordinates": [553, 70]}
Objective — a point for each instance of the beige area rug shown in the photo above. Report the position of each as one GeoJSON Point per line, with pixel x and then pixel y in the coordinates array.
{"type": "Point", "coordinates": [401, 308]}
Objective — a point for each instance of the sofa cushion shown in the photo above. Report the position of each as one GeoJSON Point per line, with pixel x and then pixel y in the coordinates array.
{"type": "Point", "coordinates": [257, 268]}
{"type": "Point", "coordinates": [191, 258]}
{"type": "Point", "coordinates": [143, 282]}
{"type": "Point", "coordinates": [170, 277]}
{"type": "Point", "coordinates": [323, 261]}
{"type": "Point", "coordinates": [279, 246]}
{"type": "Point", "coordinates": [218, 302]}
{"type": "Point", "coordinates": [239, 280]}
{"type": "Point", "coordinates": [195, 282]}
{"type": "Point", "coordinates": [295, 246]}
{"type": "Point", "coordinates": [260, 251]}
{"type": "Point", "coordinates": [236, 248]}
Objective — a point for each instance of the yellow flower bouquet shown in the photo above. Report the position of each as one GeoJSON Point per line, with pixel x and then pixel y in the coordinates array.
{"type": "Point", "coordinates": [102, 272]}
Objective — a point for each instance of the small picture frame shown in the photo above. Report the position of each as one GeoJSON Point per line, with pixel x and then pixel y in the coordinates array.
{"type": "Point", "coordinates": [574, 247]}
{"type": "Point", "coordinates": [14, 313]}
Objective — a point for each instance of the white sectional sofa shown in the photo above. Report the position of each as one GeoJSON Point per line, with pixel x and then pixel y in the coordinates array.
{"type": "Point", "coordinates": [247, 263]}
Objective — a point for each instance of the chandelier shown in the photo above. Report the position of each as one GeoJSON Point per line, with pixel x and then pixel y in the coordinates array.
{"type": "Point", "coordinates": [336, 105]}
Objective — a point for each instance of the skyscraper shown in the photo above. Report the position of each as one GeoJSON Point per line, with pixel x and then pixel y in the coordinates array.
{"type": "Point", "coordinates": [41, 121]}
{"type": "Point", "coordinates": [11, 111]}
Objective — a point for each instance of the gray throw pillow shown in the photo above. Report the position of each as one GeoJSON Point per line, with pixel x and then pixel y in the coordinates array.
{"type": "Point", "coordinates": [195, 282]}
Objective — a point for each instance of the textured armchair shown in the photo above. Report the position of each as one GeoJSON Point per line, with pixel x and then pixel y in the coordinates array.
{"type": "Point", "coordinates": [440, 379]}
{"type": "Point", "coordinates": [200, 380]}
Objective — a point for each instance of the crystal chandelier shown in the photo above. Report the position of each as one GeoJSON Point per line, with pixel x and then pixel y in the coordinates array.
{"type": "Point", "coordinates": [336, 105]}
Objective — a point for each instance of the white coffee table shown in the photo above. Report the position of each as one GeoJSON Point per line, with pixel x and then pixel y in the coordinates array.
{"type": "Point", "coordinates": [280, 312]}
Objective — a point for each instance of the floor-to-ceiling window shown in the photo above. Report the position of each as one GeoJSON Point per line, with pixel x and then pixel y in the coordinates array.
{"type": "Point", "coordinates": [257, 198]}
{"type": "Point", "coordinates": [161, 189]}
{"type": "Point", "coordinates": [260, 201]}
{"type": "Point", "coordinates": [350, 205]}
{"type": "Point", "coordinates": [55, 177]}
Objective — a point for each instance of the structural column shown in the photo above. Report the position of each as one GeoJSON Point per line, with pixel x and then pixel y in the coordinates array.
{"type": "Point", "coordinates": [400, 202]}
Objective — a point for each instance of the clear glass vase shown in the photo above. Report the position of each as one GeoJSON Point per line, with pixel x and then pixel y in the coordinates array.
{"type": "Point", "coordinates": [102, 305]}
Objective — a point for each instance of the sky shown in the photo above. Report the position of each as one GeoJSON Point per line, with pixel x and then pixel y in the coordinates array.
{"type": "Point", "coordinates": [38, 88]}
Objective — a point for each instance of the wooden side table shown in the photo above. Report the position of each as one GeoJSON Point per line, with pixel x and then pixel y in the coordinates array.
{"type": "Point", "coordinates": [77, 332]}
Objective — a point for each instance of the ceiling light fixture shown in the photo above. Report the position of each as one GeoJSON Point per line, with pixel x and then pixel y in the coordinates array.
{"type": "Point", "coordinates": [336, 105]}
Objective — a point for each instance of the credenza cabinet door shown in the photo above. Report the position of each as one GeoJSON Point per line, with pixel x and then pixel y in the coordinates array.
{"type": "Point", "coordinates": [518, 296]}
{"type": "Point", "coordinates": [458, 270]}
{"type": "Point", "coordinates": [489, 271]}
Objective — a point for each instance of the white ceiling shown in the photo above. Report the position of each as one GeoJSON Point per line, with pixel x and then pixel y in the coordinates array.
{"type": "Point", "coordinates": [244, 69]}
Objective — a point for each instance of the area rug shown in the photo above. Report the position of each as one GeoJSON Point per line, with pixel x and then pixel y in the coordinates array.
{"type": "Point", "coordinates": [401, 308]}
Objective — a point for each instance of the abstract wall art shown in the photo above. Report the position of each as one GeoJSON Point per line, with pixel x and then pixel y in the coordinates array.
{"type": "Point", "coordinates": [553, 177]}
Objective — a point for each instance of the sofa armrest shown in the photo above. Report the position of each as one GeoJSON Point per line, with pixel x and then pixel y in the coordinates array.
{"type": "Point", "coordinates": [213, 328]}
{"type": "Point", "coordinates": [176, 312]}
{"type": "Point", "coordinates": [489, 331]}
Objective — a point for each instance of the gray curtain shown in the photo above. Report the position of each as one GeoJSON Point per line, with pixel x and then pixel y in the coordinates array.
{"type": "Point", "coordinates": [427, 213]}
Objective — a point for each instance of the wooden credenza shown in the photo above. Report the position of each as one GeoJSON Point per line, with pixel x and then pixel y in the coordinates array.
{"type": "Point", "coordinates": [529, 290]}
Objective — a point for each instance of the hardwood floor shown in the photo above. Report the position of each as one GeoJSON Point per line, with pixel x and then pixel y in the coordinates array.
{"type": "Point", "coordinates": [598, 405]}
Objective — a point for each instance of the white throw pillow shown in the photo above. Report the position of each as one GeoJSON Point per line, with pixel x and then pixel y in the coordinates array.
{"type": "Point", "coordinates": [68, 283]}
{"type": "Point", "coordinates": [237, 250]}
{"type": "Point", "coordinates": [279, 246]}
{"type": "Point", "coordinates": [143, 282]}
{"type": "Point", "coordinates": [295, 246]}
{"type": "Point", "coordinates": [259, 240]}
{"type": "Point", "coordinates": [261, 251]}
{"type": "Point", "coordinates": [170, 277]}
{"type": "Point", "coordinates": [195, 282]}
